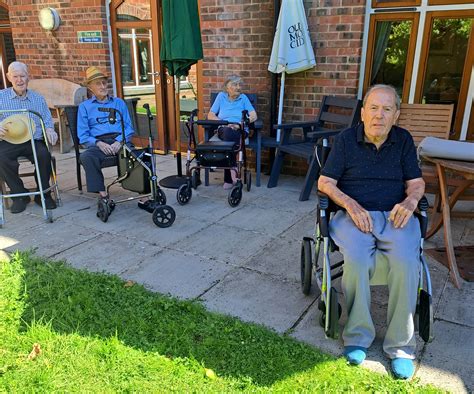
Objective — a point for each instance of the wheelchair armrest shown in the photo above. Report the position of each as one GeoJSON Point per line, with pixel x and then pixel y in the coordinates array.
{"type": "Point", "coordinates": [323, 213]}
{"type": "Point", "coordinates": [422, 217]}
{"type": "Point", "coordinates": [257, 125]}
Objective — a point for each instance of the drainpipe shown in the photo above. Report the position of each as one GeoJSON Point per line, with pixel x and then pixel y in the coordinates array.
{"type": "Point", "coordinates": [274, 88]}
{"type": "Point", "coordinates": [111, 53]}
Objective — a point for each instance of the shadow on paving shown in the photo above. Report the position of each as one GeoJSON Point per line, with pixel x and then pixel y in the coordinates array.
{"type": "Point", "coordinates": [92, 304]}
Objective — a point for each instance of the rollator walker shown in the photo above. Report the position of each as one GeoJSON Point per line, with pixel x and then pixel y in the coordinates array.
{"type": "Point", "coordinates": [137, 172]}
{"type": "Point", "coordinates": [211, 155]}
{"type": "Point", "coordinates": [315, 264]}
{"type": "Point", "coordinates": [47, 213]}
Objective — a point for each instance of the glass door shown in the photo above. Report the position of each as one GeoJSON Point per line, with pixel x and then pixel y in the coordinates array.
{"type": "Point", "coordinates": [137, 66]}
{"type": "Point", "coordinates": [136, 29]}
{"type": "Point", "coordinates": [390, 51]}
{"type": "Point", "coordinates": [446, 61]}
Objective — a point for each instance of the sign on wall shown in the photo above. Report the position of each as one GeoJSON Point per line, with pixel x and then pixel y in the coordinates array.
{"type": "Point", "coordinates": [89, 36]}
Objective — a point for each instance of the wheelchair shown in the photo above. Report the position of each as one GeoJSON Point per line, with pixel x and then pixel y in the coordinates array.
{"type": "Point", "coordinates": [315, 264]}
{"type": "Point", "coordinates": [136, 171]}
{"type": "Point", "coordinates": [211, 155]}
{"type": "Point", "coordinates": [47, 213]}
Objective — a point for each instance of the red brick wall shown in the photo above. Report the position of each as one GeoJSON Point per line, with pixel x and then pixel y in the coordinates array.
{"type": "Point", "coordinates": [58, 54]}
{"type": "Point", "coordinates": [238, 37]}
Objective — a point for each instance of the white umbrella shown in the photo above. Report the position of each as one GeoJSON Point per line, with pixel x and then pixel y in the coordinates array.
{"type": "Point", "coordinates": [292, 51]}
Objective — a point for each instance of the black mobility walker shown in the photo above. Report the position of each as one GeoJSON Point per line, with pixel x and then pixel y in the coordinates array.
{"type": "Point", "coordinates": [315, 263]}
{"type": "Point", "coordinates": [47, 213]}
{"type": "Point", "coordinates": [216, 155]}
{"type": "Point", "coordinates": [137, 172]}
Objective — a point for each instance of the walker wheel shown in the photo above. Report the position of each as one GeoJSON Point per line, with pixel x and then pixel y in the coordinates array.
{"type": "Point", "coordinates": [103, 210]}
{"type": "Point", "coordinates": [235, 195]}
{"type": "Point", "coordinates": [160, 196]}
{"type": "Point", "coordinates": [164, 216]}
{"type": "Point", "coordinates": [248, 179]}
{"type": "Point", "coordinates": [306, 266]}
{"type": "Point", "coordinates": [184, 194]}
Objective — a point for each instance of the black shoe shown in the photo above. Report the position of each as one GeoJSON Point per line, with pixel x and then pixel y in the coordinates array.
{"type": "Point", "coordinates": [19, 204]}
{"type": "Point", "coordinates": [48, 200]}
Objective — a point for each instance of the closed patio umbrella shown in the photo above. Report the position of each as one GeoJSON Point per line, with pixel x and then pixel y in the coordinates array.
{"type": "Point", "coordinates": [181, 47]}
{"type": "Point", "coordinates": [292, 51]}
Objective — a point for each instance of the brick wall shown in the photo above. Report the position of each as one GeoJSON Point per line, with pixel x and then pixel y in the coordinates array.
{"type": "Point", "coordinates": [58, 54]}
{"type": "Point", "coordinates": [237, 39]}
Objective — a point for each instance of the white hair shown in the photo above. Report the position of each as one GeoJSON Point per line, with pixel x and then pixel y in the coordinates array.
{"type": "Point", "coordinates": [232, 79]}
{"type": "Point", "coordinates": [17, 66]}
{"type": "Point", "coordinates": [390, 88]}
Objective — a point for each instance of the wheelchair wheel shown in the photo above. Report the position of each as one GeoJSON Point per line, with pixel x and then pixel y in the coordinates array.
{"type": "Point", "coordinates": [184, 194]}
{"type": "Point", "coordinates": [194, 180]}
{"type": "Point", "coordinates": [160, 196]}
{"type": "Point", "coordinates": [235, 196]}
{"type": "Point", "coordinates": [425, 316]}
{"type": "Point", "coordinates": [248, 179]}
{"type": "Point", "coordinates": [164, 216]}
{"type": "Point", "coordinates": [103, 210]}
{"type": "Point", "coordinates": [335, 312]}
{"type": "Point", "coordinates": [306, 265]}
{"type": "Point", "coordinates": [111, 206]}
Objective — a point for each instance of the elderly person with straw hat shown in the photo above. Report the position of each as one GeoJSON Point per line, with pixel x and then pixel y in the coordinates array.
{"type": "Point", "coordinates": [15, 136]}
{"type": "Point", "coordinates": [101, 138]}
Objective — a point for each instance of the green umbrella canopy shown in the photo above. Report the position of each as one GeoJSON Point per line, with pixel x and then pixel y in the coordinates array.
{"type": "Point", "coordinates": [181, 44]}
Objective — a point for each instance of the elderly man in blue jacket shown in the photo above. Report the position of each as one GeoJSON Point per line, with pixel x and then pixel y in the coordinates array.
{"type": "Point", "coordinates": [101, 138]}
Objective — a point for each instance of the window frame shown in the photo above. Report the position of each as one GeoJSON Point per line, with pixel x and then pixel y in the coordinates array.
{"type": "Point", "coordinates": [393, 16]}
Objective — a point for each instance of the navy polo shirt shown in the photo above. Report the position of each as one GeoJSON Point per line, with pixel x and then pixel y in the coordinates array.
{"type": "Point", "coordinates": [375, 178]}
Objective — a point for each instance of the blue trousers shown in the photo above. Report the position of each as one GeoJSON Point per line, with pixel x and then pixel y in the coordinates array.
{"type": "Point", "coordinates": [92, 160]}
{"type": "Point", "coordinates": [400, 248]}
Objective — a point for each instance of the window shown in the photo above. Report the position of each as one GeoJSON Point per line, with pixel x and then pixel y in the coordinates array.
{"type": "Point", "coordinates": [390, 51]}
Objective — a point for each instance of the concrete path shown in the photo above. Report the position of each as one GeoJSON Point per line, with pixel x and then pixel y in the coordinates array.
{"type": "Point", "coordinates": [240, 261]}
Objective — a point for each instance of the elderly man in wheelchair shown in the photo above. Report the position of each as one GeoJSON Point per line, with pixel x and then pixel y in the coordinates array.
{"type": "Point", "coordinates": [372, 173]}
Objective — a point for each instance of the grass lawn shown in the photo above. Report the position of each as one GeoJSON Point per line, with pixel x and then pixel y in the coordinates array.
{"type": "Point", "coordinates": [98, 333]}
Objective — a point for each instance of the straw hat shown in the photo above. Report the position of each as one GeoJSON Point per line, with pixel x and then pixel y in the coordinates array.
{"type": "Point", "coordinates": [93, 73]}
{"type": "Point", "coordinates": [17, 129]}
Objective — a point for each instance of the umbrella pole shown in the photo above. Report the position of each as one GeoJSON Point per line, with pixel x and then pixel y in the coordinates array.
{"type": "Point", "coordinates": [280, 105]}
{"type": "Point", "coordinates": [175, 181]}
{"type": "Point", "coordinates": [178, 127]}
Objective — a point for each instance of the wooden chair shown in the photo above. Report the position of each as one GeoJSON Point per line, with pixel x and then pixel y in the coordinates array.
{"type": "Point", "coordinates": [59, 93]}
{"type": "Point", "coordinates": [432, 120]}
{"type": "Point", "coordinates": [335, 114]}
{"type": "Point", "coordinates": [71, 116]}
{"type": "Point", "coordinates": [256, 141]}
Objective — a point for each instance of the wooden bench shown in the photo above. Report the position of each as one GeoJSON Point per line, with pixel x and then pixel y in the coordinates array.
{"type": "Point", "coordinates": [335, 114]}
{"type": "Point", "coordinates": [58, 94]}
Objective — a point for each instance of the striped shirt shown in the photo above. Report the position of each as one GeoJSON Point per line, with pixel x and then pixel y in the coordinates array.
{"type": "Point", "coordinates": [33, 101]}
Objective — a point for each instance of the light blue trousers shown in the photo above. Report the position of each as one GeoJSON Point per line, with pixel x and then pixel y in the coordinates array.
{"type": "Point", "coordinates": [400, 248]}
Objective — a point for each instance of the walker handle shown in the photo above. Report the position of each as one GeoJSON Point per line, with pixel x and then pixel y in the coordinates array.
{"type": "Point", "coordinates": [212, 122]}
